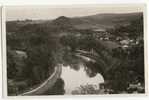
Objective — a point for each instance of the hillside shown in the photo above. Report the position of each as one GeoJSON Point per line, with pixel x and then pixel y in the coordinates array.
{"type": "Point", "coordinates": [98, 21]}
{"type": "Point", "coordinates": [105, 21]}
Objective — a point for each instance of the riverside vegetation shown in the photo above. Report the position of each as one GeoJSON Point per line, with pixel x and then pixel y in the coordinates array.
{"type": "Point", "coordinates": [34, 48]}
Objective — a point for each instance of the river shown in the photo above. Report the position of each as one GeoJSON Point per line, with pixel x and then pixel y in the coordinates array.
{"type": "Point", "coordinates": [76, 78]}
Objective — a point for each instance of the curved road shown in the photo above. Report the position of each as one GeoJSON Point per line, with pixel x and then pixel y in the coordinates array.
{"type": "Point", "coordinates": [46, 84]}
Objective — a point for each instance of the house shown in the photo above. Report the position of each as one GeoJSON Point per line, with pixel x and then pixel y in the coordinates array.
{"type": "Point", "coordinates": [138, 88]}
{"type": "Point", "coordinates": [124, 42]}
{"type": "Point", "coordinates": [125, 46]}
{"type": "Point", "coordinates": [118, 38]}
{"type": "Point", "coordinates": [21, 54]}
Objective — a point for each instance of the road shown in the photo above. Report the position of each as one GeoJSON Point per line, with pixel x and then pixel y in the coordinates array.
{"type": "Point", "coordinates": [43, 87]}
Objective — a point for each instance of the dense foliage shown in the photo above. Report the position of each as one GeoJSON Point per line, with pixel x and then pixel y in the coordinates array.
{"type": "Point", "coordinates": [44, 46]}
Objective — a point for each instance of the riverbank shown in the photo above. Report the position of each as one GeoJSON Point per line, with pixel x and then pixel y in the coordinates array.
{"type": "Point", "coordinates": [46, 84]}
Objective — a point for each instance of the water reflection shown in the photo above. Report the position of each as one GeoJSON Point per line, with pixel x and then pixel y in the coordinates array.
{"type": "Point", "coordinates": [79, 76]}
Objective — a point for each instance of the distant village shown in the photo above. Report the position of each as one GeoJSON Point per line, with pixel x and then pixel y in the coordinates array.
{"type": "Point", "coordinates": [124, 42]}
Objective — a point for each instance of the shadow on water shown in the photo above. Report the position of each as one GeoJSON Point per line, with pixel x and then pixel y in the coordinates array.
{"type": "Point", "coordinates": [80, 76]}
{"type": "Point", "coordinates": [77, 79]}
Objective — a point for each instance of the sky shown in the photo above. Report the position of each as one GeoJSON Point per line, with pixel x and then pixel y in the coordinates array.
{"type": "Point", "coordinates": [52, 12]}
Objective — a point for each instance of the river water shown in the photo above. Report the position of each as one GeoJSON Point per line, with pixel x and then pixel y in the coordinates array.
{"type": "Point", "coordinates": [76, 78]}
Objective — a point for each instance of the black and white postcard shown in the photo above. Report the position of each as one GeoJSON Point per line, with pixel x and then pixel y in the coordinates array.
{"type": "Point", "coordinates": [74, 49]}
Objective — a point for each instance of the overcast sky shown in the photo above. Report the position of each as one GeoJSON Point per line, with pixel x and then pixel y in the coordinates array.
{"type": "Point", "coordinates": [51, 12]}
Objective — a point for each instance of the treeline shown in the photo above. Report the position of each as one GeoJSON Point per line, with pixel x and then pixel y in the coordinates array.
{"type": "Point", "coordinates": [45, 48]}
{"type": "Point", "coordinates": [42, 51]}
{"type": "Point", "coordinates": [129, 66]}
